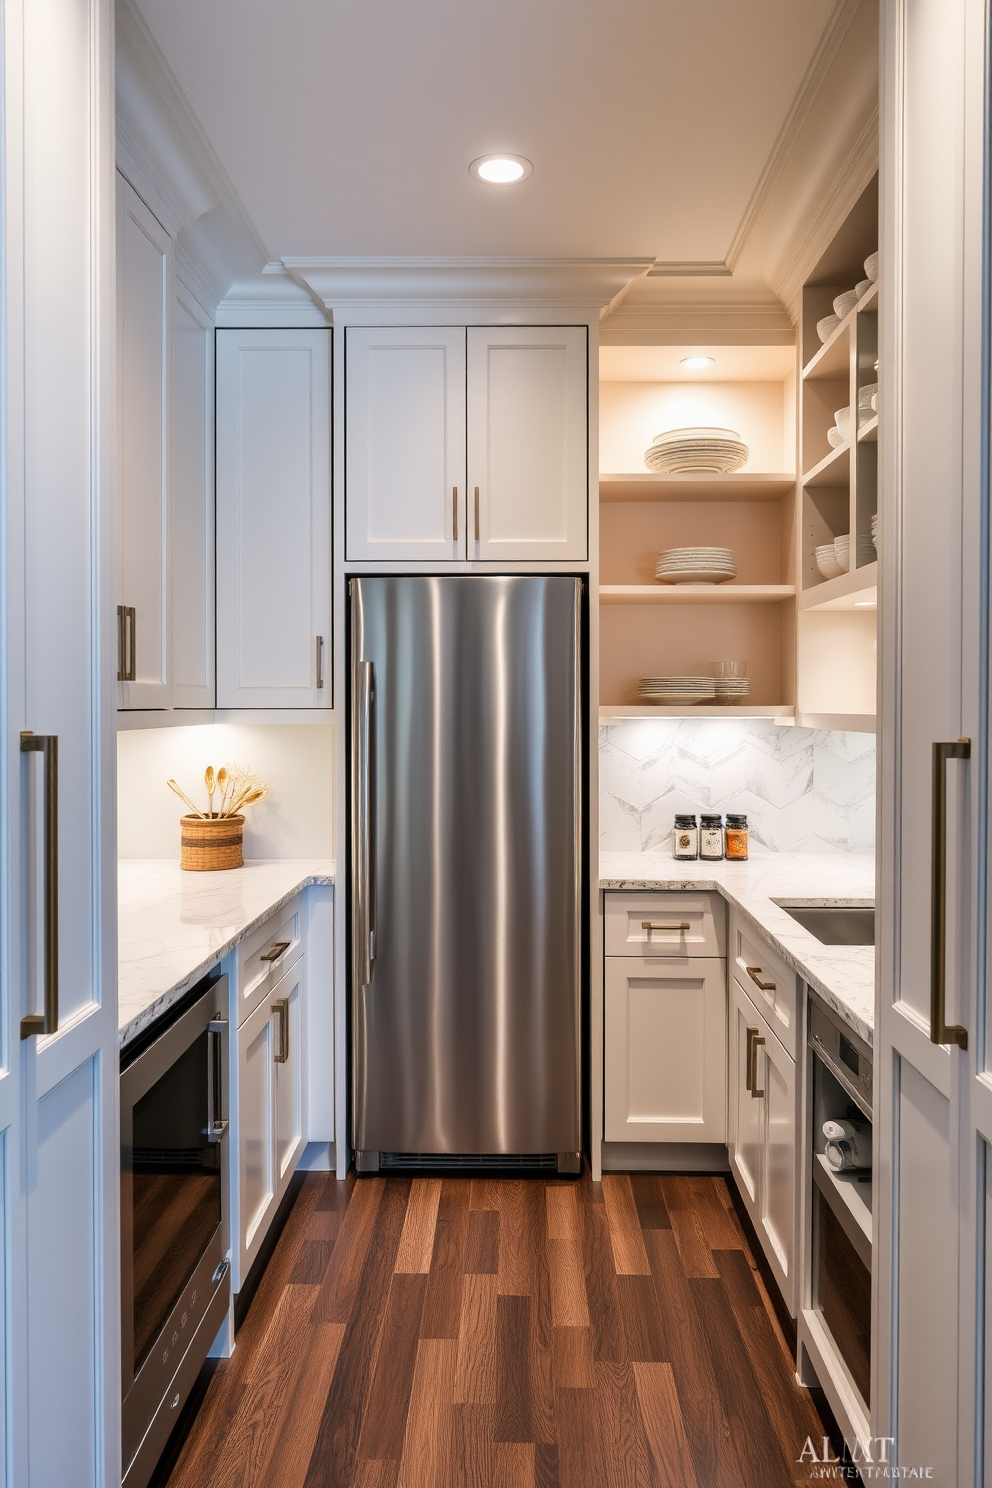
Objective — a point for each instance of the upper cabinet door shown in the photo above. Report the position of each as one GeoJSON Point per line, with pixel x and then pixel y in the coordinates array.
{"type": "Point", "coordinates": [405, 443]}
{"type": "Point", "coordinates": [528, 465]}
{"type": "Point", "coordinates": [144, 301]}
{"type": "Point", "coordinates": [192, 504]}
{"type": "Point", "coordinates": [273, 519]}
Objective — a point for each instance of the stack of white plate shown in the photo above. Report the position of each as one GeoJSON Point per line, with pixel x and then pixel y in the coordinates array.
{"type": "Point", "coordinates": [689, 451]}
{"type": "Point", "coordinates": [674, 690]}
{"type": "Point", "coordinates": [731, 689]}
{"type": "Point", "coordinates": [696, 566]}
{"type": "Point", "coordinates": [874, 531]}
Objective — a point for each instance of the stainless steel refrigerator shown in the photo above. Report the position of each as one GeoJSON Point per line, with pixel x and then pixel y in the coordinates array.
{"type": "Point", "coordinates": [466, 770]}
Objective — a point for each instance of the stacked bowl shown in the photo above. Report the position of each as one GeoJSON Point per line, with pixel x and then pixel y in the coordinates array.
{"type": "Point", "coordinates": [696, 566]}
{"type": "Point", "coordinates": [874, 531]}
{"type": "Point", "coordinates": [826, 561]}
{"type": "Point", "coordinates": [696, 451]}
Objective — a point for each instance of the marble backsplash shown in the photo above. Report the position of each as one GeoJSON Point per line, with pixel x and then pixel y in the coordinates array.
{"type": "Point", "coordinates": [809, 790]}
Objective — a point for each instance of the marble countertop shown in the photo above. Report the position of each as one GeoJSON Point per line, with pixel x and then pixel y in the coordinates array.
{"type": "Point", "coordinates": [174, 927]}
{"type": "Point", "coordinates": [844, 976]}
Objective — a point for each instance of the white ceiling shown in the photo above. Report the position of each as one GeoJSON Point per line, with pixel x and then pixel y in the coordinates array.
{"type": "Point", "coordinates": [347, 126]}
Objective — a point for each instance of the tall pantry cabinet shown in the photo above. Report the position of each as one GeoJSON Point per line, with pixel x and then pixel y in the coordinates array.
{"type": "Point", "coordinates": [59, 1143]}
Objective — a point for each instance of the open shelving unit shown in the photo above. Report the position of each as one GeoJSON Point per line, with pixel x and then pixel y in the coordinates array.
{"type": "Point", "coordinates": [836, 621]}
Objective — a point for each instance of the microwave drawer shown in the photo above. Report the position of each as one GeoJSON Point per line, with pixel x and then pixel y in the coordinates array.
{"type": "Point", "coordinates": [665, 924]}
{"type": "Point", "coordinates": [267, 954]}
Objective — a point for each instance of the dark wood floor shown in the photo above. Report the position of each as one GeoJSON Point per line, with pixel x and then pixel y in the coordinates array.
{"type": "Point", "coordinates": [506, 1333]}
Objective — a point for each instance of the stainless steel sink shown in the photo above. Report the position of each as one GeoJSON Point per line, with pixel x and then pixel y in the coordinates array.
{"type": "Point", "coordinates": [835, 924]}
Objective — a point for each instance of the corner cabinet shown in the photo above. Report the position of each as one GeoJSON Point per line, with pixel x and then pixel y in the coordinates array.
{"type": "Point", "coordinates": [466, 443]}
{"type": "Point", "coordinates": [273, 519]}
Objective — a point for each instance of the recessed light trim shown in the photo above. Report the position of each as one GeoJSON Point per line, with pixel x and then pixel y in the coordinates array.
{"type": "Point", "coordinates": [697, 363]}
{"type": "Point", "coordinates": [865, 604]}
{"type": "Point", "coordinates": [501, 169]}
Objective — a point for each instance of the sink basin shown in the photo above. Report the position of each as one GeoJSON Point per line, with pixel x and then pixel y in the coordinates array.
{"type": "Point", "coordinates": [835, 924]}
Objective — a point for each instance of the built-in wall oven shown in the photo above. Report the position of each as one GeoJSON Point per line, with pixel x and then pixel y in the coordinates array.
{"type": "Point", "coordinates": [175, 1283]}
{"type": "Point", "coordinates": [841, 1238]}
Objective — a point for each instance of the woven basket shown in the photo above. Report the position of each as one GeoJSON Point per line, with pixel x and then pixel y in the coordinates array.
{"type": "Point", "coordinates": [209, 843]}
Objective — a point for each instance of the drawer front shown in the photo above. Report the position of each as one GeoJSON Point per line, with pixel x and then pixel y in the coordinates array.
{"type": "Point", "coordinates": [268, 954]}
{"type": "Point", "coordinates": [666, 924]}
{"type": "Point", "coordinates": [771, 985]}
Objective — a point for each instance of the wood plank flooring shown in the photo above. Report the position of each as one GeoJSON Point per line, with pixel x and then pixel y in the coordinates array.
{"type": "Point", "coordinates": [506, 1333]}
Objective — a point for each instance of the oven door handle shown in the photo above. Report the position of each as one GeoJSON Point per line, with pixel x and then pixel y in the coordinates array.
{"type": "Point", "coordinates": [216, 1125]}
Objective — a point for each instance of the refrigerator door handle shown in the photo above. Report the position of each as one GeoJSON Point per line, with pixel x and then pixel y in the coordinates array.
{"type": "Point", "coordinates": [364, 823]}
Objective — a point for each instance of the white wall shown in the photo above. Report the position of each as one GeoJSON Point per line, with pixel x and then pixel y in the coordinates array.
{"type": "Point", "coordinates": [632, 413]}
{"type": "Point", "coordinates": [295, 761]}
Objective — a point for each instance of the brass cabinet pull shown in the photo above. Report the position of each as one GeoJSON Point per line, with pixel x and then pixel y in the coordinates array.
{"type": "Point", "coordinates": [649, 925]}
{"type": "Point", "coordinates": [753, 1040]}
{"type": "Point", "coordinates": [320, 662]}
{"type": "Point", "coordinates": [477, 514]}
{"type": "Point", "coordinates": [275, 951]}
{"type": "Point", "coordinates": [216, 1125]}
{"type": "Point", "coordinates": [281, 1006]}
{"type": "Point", "coordinates": [941, 1032]}
{"type": "Point", "coordinates": [454, 514]}
{"type": "Point", "coordinates": [121, 625]}
{"type": "Point", "coordinates": [754, 972]}
{"type": "Point", "coordinates": [747, 1058]}
{"type": "Point", "coordinates": [47, 745]}
{"type": "Point", "coordinates": [132, 665]}
{"type": "Point", "coordinates": [126, 649]}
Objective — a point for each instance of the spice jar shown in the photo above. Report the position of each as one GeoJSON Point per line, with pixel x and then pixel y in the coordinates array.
{"type": "Point", "coordinates": [711, 838]}
{"type": "Point", "coordinates": [736, 837]}
{"type": "Point", "coordinates": [685, 838]}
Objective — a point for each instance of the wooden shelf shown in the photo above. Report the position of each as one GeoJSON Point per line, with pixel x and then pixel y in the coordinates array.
{"type": "Point", "coordinates": [846, 592]}
{"type": "Point", "coordinates": [868, 434]}
{"type": "Point", "coordinates": [610, 711]}
{"type": "Point", "coordinates": [628, 594]}
{"type": "Point", "coordinates": [831, 362]}
{"type": "Point", "coordinates": [833, 470]}
{"type": "Point", "coordinates": [743, 485]}
{"type": "Point", "coordinates": [843, 723]}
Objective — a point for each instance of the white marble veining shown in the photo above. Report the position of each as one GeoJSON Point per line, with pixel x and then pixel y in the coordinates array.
{"type": "Point", "coordinates": [844, 976]}
{"type": "Point", "coordinates": [174, 927]}
{"type": "Point", "coordinates": [802, 789]}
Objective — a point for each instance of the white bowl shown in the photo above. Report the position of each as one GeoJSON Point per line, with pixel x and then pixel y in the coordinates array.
{"type": "Point", "coordinates": [871, 266]}
{"type": "Point", "coordinates": [845, 303]}
{"type": "Point", "coordinates": [862, 287]}
{"type": "Point", "coordinates": [828, 565]}
{"type": "Point", "coordinates": [835, 438]}
{"type": "Point", "coordinates": [842, 418]}
{"type": "Point", "coordinates": [842, 552]}
{"type": "Point", "coordinates": [826, 327]}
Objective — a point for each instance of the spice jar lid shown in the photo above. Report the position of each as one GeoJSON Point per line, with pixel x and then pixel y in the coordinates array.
{"type": "Point", "coordinates": [711, 821]}
{"type": "Point", "coordinates": [736, 821]}
{"type": "Point", "coordinates": [685, 821]}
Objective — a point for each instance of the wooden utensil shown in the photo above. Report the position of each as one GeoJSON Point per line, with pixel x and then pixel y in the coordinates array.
{"type": "Point", "coordinates": [223, 779]}
{"type": "Point", "coordinates": [185, 798]}
{"type": "Point", "coordinates": [211, 784]}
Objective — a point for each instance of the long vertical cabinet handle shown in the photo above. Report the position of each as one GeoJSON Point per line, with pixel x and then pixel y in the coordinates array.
{"type": "Point", "coordinates": [132, 671]}
{"type": "Point", "coordinates": [47, 745]}
{"type": "Point", "coordinates": [320, 662]}
{"type": "Point", "coordinates": [364, 819]}
{"type": "Point", "coordinates": [751, 1063]}
{"type": "Point", "coordinates": [281, 1006]}
{"type": "Point", "coordinates": [121, 643]}
{"type": "Point", "coordinates": [941, 1032]}
{"type": "Point", "coordinates": [216, 1125]}
{"type": "Point", "coordinates": [477, 514]}
{"type": "Point", "coordinates": [454, 514]}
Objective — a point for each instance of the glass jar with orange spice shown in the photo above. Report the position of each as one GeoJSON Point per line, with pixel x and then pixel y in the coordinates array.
{"type": "Point", "coordinates": [736, 838]}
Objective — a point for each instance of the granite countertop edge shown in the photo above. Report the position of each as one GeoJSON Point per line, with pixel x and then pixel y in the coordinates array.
{"type": "Point", "coordinates": [800, 956]}
{"type": "Point", "coordinates": [144, 1019]}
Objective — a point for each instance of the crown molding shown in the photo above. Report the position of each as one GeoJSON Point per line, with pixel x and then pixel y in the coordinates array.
{"type": "Point", "coordinates": [690, 269]}
{"type": "Point", "coordinates": [271, 299]}
{"type": "Point", "coordinates": [788, 136]}
{"type": "Point", "coordinates": [472, 283]}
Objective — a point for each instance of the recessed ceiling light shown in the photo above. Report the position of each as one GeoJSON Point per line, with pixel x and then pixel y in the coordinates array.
{"type": "Point", "coordinates": [864, 604]}
{"type": "Point", "coordinates": [696, 363]}
{"type": "Point", "coordinates": [500, 170]}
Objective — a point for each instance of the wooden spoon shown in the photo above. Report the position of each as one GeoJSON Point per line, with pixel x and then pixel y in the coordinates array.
{"type": "Point", "coordinates": [210, 783]}
{"type": "Point", "coordinates": [184, 797]}
{"type": "Point", "coordinates": [222, 783]}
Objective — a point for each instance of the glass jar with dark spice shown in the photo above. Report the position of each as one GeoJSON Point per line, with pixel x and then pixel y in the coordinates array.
{"type": "Point", "coordinates": [736, 838]}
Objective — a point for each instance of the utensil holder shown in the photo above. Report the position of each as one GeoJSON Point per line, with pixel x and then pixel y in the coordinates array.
{"type": "Point", "coordinates": [209, 843]}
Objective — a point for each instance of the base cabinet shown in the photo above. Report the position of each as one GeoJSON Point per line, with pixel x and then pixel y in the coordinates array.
{"type": "Point", "coordinates": [270, 1109]}
{"type": "Point", "coordinates": [762, 1139]}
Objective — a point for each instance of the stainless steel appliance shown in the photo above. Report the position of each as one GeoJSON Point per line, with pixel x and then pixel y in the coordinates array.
{"type": "Point", "coordinates": [175, 1283]}
{"type": "Point", "coordinates": [841, 1201]}
{"type": "Point", "coordinates": [466, 872]}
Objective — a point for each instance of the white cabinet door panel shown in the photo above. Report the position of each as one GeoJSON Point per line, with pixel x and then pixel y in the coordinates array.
{"type": "Point", "coordinates": [144, 302]}
{"type": "Point", "coordinates": [405, 443]}
{"type": "Point", "coordinates": [288, 1004]}
{"type": "Point", "coordinates": [273, 519]}
{"type": "Point", "coordinates": [744, 1137]}
{"type": "Point", "coordinates": [527, 442]}
{"type": "Point", "coordinates": [257, 1181]}
{"type": "Point", "coordinates": [191, 499]}
{"type": "Point", "coordinates": [665, 1050]}
{"type": "Point", "coordinates": [777, 1211]}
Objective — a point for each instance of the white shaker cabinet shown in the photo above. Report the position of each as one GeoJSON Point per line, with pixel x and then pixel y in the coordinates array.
{"type": "Point", "coordinates": [527, 443]}
{"type": "Point", "coordinates": [405, 443]}
{"type": "Point", "coordinates": [762, 1139]}
{"type": "Point", "coordinates": [273, 519]}
{"type": "Point", "coordinates": [144, 308]}
{"type": "Point", "coordinates": [191, 501]}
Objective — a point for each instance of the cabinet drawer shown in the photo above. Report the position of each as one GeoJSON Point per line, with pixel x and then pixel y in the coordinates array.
{"type": "Point", "coordinates": [767, 980]}
{"type": "Point", "coordinates": [666, 925]}
{"type": "Point", "coordinates": [666, 1049]}
{"type": "Point", "coordinates": [267, 954]}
